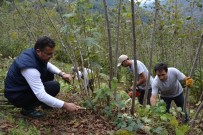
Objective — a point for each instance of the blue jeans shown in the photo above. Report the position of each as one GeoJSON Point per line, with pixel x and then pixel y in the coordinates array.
{"type": "Point", "coordinates": [179, 101]}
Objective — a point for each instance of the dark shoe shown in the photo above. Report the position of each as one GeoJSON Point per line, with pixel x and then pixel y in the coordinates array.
{"type": "Point", "coordinates": [185, 121]}
{"type": "Point", "coordinates": [32, 113]}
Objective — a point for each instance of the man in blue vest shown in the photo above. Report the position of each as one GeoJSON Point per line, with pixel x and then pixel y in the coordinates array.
{"type": "Point", "coordinates": [30, 80]}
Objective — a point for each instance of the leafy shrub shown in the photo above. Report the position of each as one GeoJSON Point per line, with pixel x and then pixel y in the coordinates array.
{"type": "Point", "coordinates": [197, 87]}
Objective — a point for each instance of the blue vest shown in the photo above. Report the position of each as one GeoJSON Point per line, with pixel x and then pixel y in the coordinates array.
{"type": "Point", "coordinates": [28, 59]}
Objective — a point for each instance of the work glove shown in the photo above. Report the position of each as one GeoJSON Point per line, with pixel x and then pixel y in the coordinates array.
{"type": "Point", "coordinates": [189, 82]}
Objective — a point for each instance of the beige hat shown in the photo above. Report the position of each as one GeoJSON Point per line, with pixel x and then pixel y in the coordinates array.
{"type": "Point", "coordinates": [121, 59]}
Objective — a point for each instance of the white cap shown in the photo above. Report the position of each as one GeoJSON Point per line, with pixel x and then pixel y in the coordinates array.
{"type": "Point", "coordinates": [121, 59]}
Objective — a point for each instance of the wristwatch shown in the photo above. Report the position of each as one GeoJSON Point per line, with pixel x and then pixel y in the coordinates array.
{"type": "Point", "coordinates": [61, 74]}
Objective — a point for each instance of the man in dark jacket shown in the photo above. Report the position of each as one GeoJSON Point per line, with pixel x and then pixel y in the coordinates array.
{"type": "Point", "coordinates": [30, 80]}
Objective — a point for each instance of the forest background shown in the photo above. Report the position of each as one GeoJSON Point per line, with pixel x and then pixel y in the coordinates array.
{"type": "Point", "coordinates": [80, 30]}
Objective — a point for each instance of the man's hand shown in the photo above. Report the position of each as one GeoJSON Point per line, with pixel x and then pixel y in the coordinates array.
{"type": "Point", "coordinates": [153, 100]}
{"type": "Point", "coordinates": [137, 94]}
{"type": "Point", "coordinates": [189, 82]}
{"type": "Point", "coordinates": [66, 77]}
{"type": "Point", "coordinates": [70, 107]}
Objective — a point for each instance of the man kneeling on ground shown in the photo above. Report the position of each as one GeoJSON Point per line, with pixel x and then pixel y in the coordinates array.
{"type": "Point", "coordinates": [30, 80]}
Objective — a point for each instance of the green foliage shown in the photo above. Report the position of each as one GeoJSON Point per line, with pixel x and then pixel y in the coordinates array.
{"type": "Point", "coordinates": [99, 99]}
{"type": "Point", "coordinates": [123, 132]}
{"type": "Point", "coordinates": [62, 56]}
{"type": "Point", "coordinates": [66, 87]}
{"type": "Point", "coordinates": [89, 104]}
{"type": "Point", "coordinates": [143, 112]}
{"type": "Point", "coordinates": [83, 28]}
{"type": "Point", "coordinates": [124, 121]}
{"type": "Point", "coordinates": [5, 63]}
{"type": "Point", "coordinates": [2, 76]}
{"type": "Point", "coordinates": [102, 94]}
{"type": "Point", "coordinates": [160, 130]}
{"type": "Point", "coordinates": [11, 45]}
{"type": "Point", "coordinates": [31, 130]}
{"type": "Point", "coordinates": [145, 120]}
{"type": "Point", "coordinates": [199, 4]}
{"type": "Point", "coordinates": [144, 117]}
{"type": "Point", "coordinates": [69, 15]}
{"type": "Point", "coordinates": [22, 126]}
{"type": "Point", "coordinates": [197, 87]}
{"type": "Point", "coordinates": [188, 17]}
{"type": "Point", "coordinates": [90, 42]}
{"type": "Point", "coordinates": [108, 111]}
{"type": "Point", "coordinates": [182, 130]}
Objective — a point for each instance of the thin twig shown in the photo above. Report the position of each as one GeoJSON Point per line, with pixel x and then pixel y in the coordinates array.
{"type": "Point", "coordinates": [187, 89]}
{"type": "Point", "coordinates": [23, 19]}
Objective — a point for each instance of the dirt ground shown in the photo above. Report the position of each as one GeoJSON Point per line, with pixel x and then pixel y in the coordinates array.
{"type": "Point", "coordinates": [60, 122]}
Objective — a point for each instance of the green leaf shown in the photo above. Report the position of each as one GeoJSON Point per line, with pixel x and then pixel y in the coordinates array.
{"type": "Point", "coordinates": [164, 117]}
{"type": "Point", "coordinates": [174, 122]}
{"type": "Point", "coordinates": [158, 130]}
{"type": "Point", "coordinates": [120, 115]}
{"type": "Point", "coordinates": [114, 83]}
{"type": "Point", "coordinates": [199, 4]}
{"type": "Point", "coordinates": [198, 103]}
{"type": "Point", "coordinates": [184, 128]}
{"type": "Point", "coordinates": [96, 35]}
{"type": "Point", "coordinates": [64, 29]}
{"type": "Point", "coordinates": [69, 15]}
{"type": "Point", "coordinates": [119, 125]}
{"type": "Point", "coordinates": [171, 1]}
{"type": "Point", "coordinates": [146, 120]}
{"type": "Point", "coordinates": [123, 124]}
{"type": "Point", "coordinates": [89, 41]}
{"type": "Point", "coordinates": [77, 30]}
{"type": "Point", "coordinates": [179, 132]}
{"type": "Point", "coordinates": [130, 128]}
{"type": "Point", "coordinates": [188, 17]}
{"type": "Point", "coordinates": [137, 22]}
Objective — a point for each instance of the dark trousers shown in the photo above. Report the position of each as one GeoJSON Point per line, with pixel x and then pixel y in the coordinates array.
{"type": "Point", "coordinates": [141, 97]}
{"type": "Point", "coordinates": [91, 85]}
{"type": "Point", "coordinates": [28, 100]}
{"type": "Point", "coordinates": [179, 101]}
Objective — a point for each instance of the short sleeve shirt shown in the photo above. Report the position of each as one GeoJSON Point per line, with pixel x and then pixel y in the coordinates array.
{"type": "Point", "coordinates": [140, 69]}
{"type": "Point", "coordinates": [170, 87]}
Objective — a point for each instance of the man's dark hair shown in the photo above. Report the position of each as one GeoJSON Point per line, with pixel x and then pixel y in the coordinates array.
{"type": "Point", "coordinates": [43, 42]}
{"type": "Point", "coordinates": [160, 67]}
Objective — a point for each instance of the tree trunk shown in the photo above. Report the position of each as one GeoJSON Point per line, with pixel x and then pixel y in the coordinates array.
{"type": "Point", "coordinates": [175, 36]}
{"type": "Point", "coordinates": [151, 50]}
{"type": "Point", "coordinates": [110, 50]}
{"type": "Point", "coordinates": [117, 44]}
{"type": "Point", "coordinates": [134, 54]}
